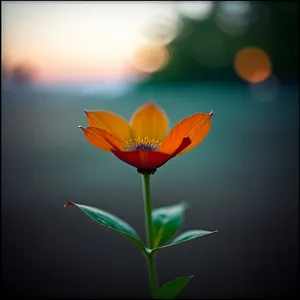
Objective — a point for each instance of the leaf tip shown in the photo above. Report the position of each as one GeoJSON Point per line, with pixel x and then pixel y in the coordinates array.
{"type": "Point", "coordinates": [69, 203]}
{"type": "Point", "coordinates": [186, 205]}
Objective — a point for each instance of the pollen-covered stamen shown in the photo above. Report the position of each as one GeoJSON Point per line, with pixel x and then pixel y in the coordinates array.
{"type": "Point", "coordinates": [142, 144]}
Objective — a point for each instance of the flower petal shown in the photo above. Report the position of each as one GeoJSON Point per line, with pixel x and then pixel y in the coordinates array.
{"type": "Point", "coordinates": [142, 159]}
{"type": "Point", "coordinates": [110, 122]}
{"type": "Point", "coordinates": [102, 139]}
{"type": "Point", "coordinates": [195, 127]}
{"type": "Point", "coordinates": [149, 160]}
{"type": "Point", "coordinates": [150, 121]}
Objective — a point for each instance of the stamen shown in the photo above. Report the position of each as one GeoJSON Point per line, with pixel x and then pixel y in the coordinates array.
{"type": "Point", "coordinates": [142, 144]}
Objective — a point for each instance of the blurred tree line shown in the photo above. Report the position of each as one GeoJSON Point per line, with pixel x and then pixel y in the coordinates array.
{"type": "Point", "coordinates": [22, 75]}
{"type": "Point", "coordinates": [202, 51]}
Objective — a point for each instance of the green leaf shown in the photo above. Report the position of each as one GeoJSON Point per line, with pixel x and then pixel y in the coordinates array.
{"type": "Point", "coordinates": [110, 221]}
{"type": "Point", "coordinates": [167, 222]}
{"type": "Point", "coordinates": [187, 236]}
{"type": "Point", "coordinates": [191, 234]}
{"type": "Point", "coordinates": [172, 288]}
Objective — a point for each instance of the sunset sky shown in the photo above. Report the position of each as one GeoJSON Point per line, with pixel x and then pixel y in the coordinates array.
{"type": "Point", "coordinates": [81, 41]}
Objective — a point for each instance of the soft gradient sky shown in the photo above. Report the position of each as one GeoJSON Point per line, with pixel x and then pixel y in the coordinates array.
{"type": "Point", "coordinates": [77, 41]}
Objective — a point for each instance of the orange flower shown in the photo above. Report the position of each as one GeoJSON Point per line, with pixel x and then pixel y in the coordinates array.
{"type": "Point", "coordinates": [141, 143]}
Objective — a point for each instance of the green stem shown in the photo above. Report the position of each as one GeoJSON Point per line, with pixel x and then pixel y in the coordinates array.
{"type": "Point", "coordinates": [149, 232]}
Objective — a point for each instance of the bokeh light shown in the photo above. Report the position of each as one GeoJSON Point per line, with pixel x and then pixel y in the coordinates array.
{"type": "Point", "coordinates": [163, 26]}
{"type": "Point", "coordinates": [266, 91]}
{"type": "Point", "coordinates": [160, 32]}
{"type": "Point", "coordinates": [235, 8]}
{"type": "Point", "coordinates": [234, 18]}
{"type": "Point", "coordinates": [196, 10]}
{"type": "Point", "coordinates": [149, 58]}
{"type": "Point", "coordinates": [252, 64]}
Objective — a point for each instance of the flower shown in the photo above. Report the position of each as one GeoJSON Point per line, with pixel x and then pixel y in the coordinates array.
{"type": "Point", "coordinates": [142, 143]}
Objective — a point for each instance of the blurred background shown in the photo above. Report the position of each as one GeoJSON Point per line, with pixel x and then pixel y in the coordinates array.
{"type": "Point", "coordinates": [237, 58]}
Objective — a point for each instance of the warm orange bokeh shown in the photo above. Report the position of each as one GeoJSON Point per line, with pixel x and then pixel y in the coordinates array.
{"type": "Point", "coordinates": [149, 58]}
{"type": "Point", "coordinates": [253, 65]}
{"type": "Point", "coordinates": [142, 143]}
